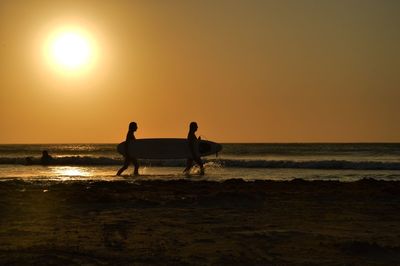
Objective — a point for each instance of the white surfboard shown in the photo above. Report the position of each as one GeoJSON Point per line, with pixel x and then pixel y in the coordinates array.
{"type": "Point", "coordinates": [166, 148]}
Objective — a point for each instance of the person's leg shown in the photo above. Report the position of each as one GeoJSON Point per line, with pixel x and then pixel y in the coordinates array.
{"type": "Point", "coordinates": [136, 164]}
{"type": "Point", "coordinates": [189, 163]}
{"type": "Point", "coordinates": [200, 163]}
{"type": "Point", "coordinates": [124, 167]}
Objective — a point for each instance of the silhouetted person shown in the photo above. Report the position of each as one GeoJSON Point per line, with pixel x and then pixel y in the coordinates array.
{"type": "Point", "coordinates": [194, 149]}
{"type": "Point", "coordinates": [46, 158]}
{"type": "Point", "coordinates": [130, 137]}
{"type": "Point", "coordinates": [28, 161]}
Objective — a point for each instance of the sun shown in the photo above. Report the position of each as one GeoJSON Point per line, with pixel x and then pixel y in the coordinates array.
{"type": "Point", "coordinates": [70, 50]}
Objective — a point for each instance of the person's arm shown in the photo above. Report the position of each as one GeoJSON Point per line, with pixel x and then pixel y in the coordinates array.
{"type": "Point", "coordinates": [127, 140]}
{"type": "Point", "coordinates": [192, 141]}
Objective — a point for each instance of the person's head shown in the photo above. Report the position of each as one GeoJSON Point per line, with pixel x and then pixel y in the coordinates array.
{"type": "Point", "coordinates": [193, 126]}
{"type": "Point", "coordinates": [45, 153]}
{"type": "Point", "coordinates": [132, 126]}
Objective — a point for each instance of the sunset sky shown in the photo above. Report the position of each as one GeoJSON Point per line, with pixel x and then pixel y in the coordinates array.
{"type": "Point", "coordinates": [246, 71]}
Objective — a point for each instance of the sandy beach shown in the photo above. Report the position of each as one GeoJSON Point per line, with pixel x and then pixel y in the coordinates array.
{"type": "Point", "coordinates": [187, 222]}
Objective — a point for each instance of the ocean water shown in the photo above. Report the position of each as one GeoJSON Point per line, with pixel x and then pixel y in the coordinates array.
{"type": "Point", "coordinates": [322, 161]}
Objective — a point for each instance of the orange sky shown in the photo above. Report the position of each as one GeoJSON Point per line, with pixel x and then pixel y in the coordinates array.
{"type": "Point", "coordinates": [246, 71]}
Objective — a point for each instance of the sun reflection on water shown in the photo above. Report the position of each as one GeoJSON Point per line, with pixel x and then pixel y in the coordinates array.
{"type": "Point", "coordinates": [64, 172]}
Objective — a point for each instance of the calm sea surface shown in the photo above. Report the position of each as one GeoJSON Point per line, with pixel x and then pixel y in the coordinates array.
{"type": "Point", "coordinates": [342, 162]}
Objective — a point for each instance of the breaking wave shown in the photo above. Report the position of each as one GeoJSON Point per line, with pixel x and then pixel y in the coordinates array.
{"type": "Point", "coordinates": [229, 163]}
{"type": "Point", "coordinates": [326, 164]}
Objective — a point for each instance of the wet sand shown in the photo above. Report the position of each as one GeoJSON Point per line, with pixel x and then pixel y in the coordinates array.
{"type": "Point", "coordinates": [200, 223]}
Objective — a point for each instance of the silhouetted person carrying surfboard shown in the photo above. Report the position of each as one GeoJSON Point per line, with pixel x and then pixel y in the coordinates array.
{"type": "Point", "coordinates": [194, 149]}
{"type": "Point", "coordinates": [130, 137]}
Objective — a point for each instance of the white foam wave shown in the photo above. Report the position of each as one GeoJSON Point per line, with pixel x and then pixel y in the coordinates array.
{"type": "Point", "coordinates": [227, 163]}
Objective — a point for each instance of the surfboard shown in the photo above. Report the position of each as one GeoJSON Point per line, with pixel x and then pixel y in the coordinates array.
{"type": "Point", "coordinates": [167, 148]}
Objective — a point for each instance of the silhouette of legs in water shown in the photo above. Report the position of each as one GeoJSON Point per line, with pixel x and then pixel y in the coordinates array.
{"type": "Point", "coordinates": [189, 164]}
{"type": "Point", "coordinates": [127, 161]}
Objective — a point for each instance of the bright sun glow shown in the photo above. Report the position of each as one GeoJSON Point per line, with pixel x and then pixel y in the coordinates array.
{"type": "Point", "coordinates": [70, 50]}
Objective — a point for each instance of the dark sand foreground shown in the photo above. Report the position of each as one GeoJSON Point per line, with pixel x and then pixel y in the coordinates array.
{"type": "Point", "coordinates": [200, 223]}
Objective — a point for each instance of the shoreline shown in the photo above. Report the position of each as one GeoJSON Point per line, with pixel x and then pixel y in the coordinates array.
{"type": "Point", "coordinates": [200, 222]}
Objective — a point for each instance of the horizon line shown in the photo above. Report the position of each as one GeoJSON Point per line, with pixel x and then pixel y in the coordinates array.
{"type": "Point", "coordinates": [229, 142]}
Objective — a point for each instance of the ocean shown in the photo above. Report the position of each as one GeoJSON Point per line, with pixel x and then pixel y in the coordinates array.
{"type": "Point", "coordinates": [258, 161]}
